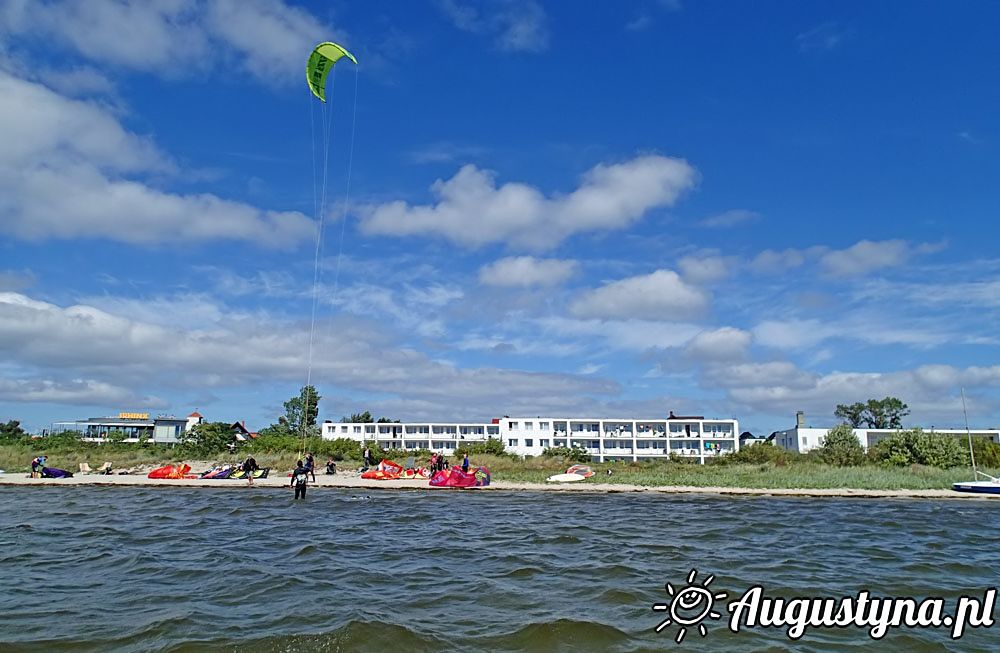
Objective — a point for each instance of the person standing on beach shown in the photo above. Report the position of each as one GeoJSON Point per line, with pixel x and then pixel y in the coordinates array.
{"type": "Point", "coordinates": [36, 466]}
{"type": "Point", "coordinates": [367, 456]}
{"type": "Point", "coordinates": [465, 464]}
{"type": "Point", "coordinates": [249, 467]}
{"type": "Point", "coordinates": [311, 465]}
{"type": "Point", "coordinates": [300, 479]}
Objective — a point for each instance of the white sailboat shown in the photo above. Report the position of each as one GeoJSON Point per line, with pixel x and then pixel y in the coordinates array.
{"type": "Point", "coordinates": [992, 486]}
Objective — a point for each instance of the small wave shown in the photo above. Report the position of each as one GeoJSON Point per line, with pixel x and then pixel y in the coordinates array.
{"type": "Point", "coordinates": [351, 637]}
{"type": "Point", "coordinates": [308, 549]}
{"type": "Point", "coordinates": [523, 572]}
{"type": "Point", "coordinates": [563, 635]}
{"type": "Point", "coordinates": [556, 539]}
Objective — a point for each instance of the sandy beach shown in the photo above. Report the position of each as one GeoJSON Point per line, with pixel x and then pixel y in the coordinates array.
{"type": "Point", "coordinates": [350, 480]}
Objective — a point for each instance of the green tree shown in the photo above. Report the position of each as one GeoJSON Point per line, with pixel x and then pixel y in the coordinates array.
{"type": "Point", "coordinates": [885, 413]}
{"type": "Point", "coordinates": [363, 418]}
{"type": "Point", "coordinates": [841, 447]}
{"type": "Point", "coordinates": [12, 432]}
{"type": "Point", "coordinates": [301, 412]}
{"type": "Point", "coordinates": [116, 436]}
{"type": "Point", "coordinates": [853, 414]}
{"type": "Point", "coordinates": [209, 438]}
{"type": "Point", "coordinates": [387, 420]}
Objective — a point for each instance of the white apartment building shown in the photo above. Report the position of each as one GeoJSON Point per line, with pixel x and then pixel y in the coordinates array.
{"type": "Point", "coordinates": [804, 438]}
{"type": "Point", "coordinates": [604, 439]}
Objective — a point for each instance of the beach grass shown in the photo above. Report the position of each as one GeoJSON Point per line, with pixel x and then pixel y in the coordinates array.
{"type": "Point", "coordinates": [804, 475]}
{"type": "Point", "coordinates": [801, 474]}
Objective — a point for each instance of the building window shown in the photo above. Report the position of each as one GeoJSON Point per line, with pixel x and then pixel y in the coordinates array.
{"type": "Point", "coordinates": [357, 429]}
{"type": "Point", "coordinates": [543, 443]}
{"type": "Point", "coordinates": [529, 442]}
{"type": "Point", "coordinates": [343, 429]}
{"type": "Point", "coordinates": [512, 442]}
{"type": "Point", "coordinates": [543, 426]}
{"type": "Point", "coordinates": [805, 440]}
{"type": "Point", "coordinates": [528, 426]}
{"type": "Point", "coordinates": [513, 426]}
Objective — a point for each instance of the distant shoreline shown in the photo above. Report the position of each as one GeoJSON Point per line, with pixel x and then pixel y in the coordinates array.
{"type": "Point", "coordinates": [347, 481]}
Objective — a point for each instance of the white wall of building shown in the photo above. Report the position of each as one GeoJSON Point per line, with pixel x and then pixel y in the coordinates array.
{"type": "Point", "coordinates": [804, 439]}
{"type": "Point", "coordinates": [604, 439]}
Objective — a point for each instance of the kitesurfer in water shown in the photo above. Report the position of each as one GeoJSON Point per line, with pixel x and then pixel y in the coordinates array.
{"type": "Point", "coordinates": [300, 479]}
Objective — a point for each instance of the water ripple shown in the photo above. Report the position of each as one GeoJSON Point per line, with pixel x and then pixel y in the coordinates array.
{"type": "Point", "coordinates": [141, 569]}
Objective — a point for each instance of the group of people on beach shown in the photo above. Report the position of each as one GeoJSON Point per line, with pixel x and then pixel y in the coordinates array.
{"type": "Point", "coordinates": [439, 463]}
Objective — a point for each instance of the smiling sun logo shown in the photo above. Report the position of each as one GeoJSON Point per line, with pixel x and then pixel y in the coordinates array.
{"type": "Point", "coordinates": [689, 606]}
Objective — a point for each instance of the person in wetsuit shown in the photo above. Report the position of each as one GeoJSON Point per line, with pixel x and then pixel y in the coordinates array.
{"type": "Point", "coordinates": [311, 465]}
{"type": "Point", "coordinates": [300, 479]}
{"type": "Point", "coordinates": [249, 467]}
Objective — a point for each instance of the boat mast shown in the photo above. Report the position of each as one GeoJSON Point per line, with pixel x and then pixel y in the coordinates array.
{"type": "Point", "coordinates": [972, 454]}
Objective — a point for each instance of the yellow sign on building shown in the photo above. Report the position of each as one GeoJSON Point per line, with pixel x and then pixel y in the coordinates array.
{"type": "Point", "coordinates": [133, 415]}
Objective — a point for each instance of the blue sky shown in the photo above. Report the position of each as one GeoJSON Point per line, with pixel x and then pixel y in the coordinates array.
{"type": "Point", "coordinates": [614, 210]}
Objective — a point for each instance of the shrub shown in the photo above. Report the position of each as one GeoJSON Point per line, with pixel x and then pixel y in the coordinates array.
{"type": "Point", "coordinates": [765, 452]}
{"type": "Point", "coordinates": [987, 453]}
{"type": "Point", "coordinates": [575, 454]}
{"type": "Point", "coordinates": [842, 448]}
{"type": "Point", "coordinates": [492, 447]}
{"type": "Point", "coordinates": [917, 447]}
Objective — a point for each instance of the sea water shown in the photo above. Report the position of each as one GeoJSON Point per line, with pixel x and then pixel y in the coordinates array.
{"type": "Point", "coordinates": [185, 570]}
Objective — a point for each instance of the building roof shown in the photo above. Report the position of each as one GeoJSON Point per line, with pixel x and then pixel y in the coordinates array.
{"type": "Point", "coordinates": [195, 414]}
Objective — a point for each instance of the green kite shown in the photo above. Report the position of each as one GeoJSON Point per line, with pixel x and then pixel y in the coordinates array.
{"type": "Point", "coordinates": [321, 63]}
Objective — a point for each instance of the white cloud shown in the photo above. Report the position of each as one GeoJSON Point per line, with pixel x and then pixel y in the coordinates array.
{"type": "Point", "coordinates": [415, 309]}
{"type": "Point", "coordinates": [768, 374]}
{"type": "Point", "coordinates": [867, 256]}
{"type": "Point", "coordinates": [16, 279]}
{"type": "Point", "coordinates": [723, 344]}
{"type": "Point", "coordinates": [824, 37]}
{"type": "Point", "coordinates": [85, 342]}
{"type": "Point", "coordinates": [639, 23]}
{"type": "Point", "coordinates": [874, 328]}
{"type": "Point", "coordinates": [515, 25]}
{"type": "Point", "coordinates": [523, 28]}
{"type": "Point", "coordinates": [793, 333]}
{"type": "Point", "coordinates": [524, 271]}
{"type": "Point", "coordinates": [706, 267]}
{"type": "Point", "coordinates": [621, 334]}
{"type": "Point", "coordinates": [264, 39]}
{"type": "Point", "coordinates": [472, 211]}
{"type": "Point", "coordinates": [860, 259]}
{"type": "Point", "coordinates": [729, 218]}
{"type": "Point", "coordinates": [443, 152]}
{"type": "Point", "coordinates": [61, 173]}
{"type": "Point", "coordinates": [777, 262]}
{"type": "Point", "coordinates": [980, 294]}
{"type": "Point", "coordinates": [661, 295]}
{"type": "Point", "coordinates": [83, 392]}
{"type": "Point", "coordinates": [930, 390]}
